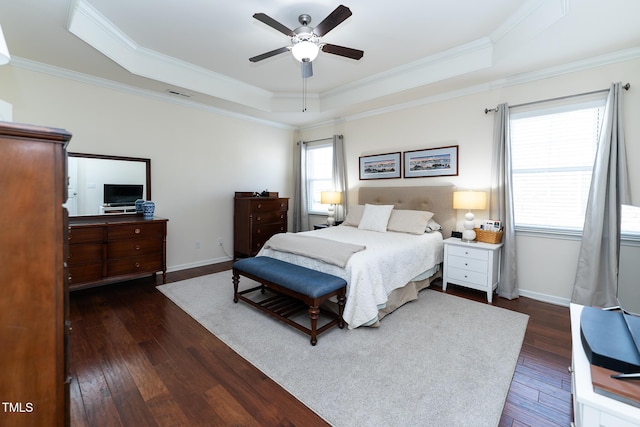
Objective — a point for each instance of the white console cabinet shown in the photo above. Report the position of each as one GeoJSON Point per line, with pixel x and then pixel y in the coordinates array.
{"type": "Point", "coordinates": [592, 409]}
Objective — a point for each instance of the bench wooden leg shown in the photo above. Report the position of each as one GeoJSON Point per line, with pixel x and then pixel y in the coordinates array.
{"type": "Point", "coordinates": [314, 311]}
{"type": "Point", "coordinates": [342, 299]}
{"type": "Point", "coordinates": [236, 280]}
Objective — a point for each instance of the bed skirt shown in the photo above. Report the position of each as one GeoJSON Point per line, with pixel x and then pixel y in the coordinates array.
{"type": "Point", "coordinates": [397, 298]}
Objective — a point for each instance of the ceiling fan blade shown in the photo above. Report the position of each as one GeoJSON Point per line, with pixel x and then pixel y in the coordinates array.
{"type": "Point", "coordinates": [273, 24]}
{"type": "Point", "coordinates": [342, 51]}
{"type": "Point", "coordinates": [269, 54]}
{"type": "Point", "coordinates": [334, 19]}
{"type": "Point", "coordinates": [307, 69]}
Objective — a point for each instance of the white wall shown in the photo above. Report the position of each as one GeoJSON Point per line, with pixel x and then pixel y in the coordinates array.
{"type": "Point", "coordinates": [546, 265]}
{"type": "Point", "coordinates": [198, 158]}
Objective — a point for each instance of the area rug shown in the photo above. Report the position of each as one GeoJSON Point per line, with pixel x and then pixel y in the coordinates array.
{"type": "Point", "coordinates": [438, 361]}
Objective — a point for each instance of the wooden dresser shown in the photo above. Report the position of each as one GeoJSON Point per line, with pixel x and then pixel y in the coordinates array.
{"type": "Point", "coordinates": [34, 383]}
{"type": "Point", "coordinates": [255, 219]}
{"type": "Point", "coordinates": [111, 248]}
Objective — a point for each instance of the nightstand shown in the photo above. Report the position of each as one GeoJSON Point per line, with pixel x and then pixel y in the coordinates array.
{"type": "Point", "coordinates": [320, 226]}
{"type": "Point", "coordinates": [472, 265]}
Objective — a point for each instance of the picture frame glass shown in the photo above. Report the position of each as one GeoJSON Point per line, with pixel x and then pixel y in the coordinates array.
{"type": "Point", "coordinates": [441, 161]}
{"type": "Point", "coordinates": [380, 166]}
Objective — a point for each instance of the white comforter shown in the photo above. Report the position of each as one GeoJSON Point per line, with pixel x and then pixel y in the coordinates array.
{"type": "Point", "coordinates": [390, 261]}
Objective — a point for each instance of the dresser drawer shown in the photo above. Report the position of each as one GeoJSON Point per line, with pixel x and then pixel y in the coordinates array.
{"type": "Point", "coordinates": [470, 264]}
{"type": "Point", "coordinates": [134, 247]}
{"type": "Point", "coordinates": [134, 265]}
{"type": "Point", "coordinates": [473, 277]}
{"type": "Point", "coordinates": [269, 217]}
{"type": "Point", "coordinates": [135, 231]}
{"type": "Point", "coordinates": [264, 231]}
{"type": "Point", "coordinates": [467, 252]}
{"type": "Point", "coordinates": [85, 234]}
{"type": "Point", "coordinates": [266, 205]}
{"type": "Point", "coordinates": [85, 273]}
{"type": "Point", "coordinates": [84, 253]}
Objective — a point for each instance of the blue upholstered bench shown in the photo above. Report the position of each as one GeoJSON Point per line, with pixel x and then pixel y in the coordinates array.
{"type": "Point", "coordinates": [289, 281]}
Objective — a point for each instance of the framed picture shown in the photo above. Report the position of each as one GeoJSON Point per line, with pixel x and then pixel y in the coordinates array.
{"type": "Point", "coordinates": [381, 166]}
{"type": "Point", "coordinates": [440, 161]}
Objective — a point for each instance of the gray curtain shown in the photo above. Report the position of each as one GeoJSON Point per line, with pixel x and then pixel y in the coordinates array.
{"type": "Point", "coordinates": [596, 276]}
{"type": "Point", "coordinates": [300, 206]}
{"type": "Point", "coordinates": [340, 176]}
{"type": "Point", "coordinates": [501, 201]}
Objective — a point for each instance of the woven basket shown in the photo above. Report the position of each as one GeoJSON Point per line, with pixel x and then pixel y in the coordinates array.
{"type": "Point", "coordinates": [488, 236]}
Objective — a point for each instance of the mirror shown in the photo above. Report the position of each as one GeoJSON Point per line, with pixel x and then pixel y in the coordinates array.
{"type": "Point", "coordinates": [89, 173]}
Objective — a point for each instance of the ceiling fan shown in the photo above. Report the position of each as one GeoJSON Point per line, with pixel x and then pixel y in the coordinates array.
{"type": "Point", "coordinates": [306, 41]}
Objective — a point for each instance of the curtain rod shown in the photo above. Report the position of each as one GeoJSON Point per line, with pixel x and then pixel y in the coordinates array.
{"type": "Point", "coordinates": [493, 110]}
{"type": "Point", "coordinates": [317, 140]}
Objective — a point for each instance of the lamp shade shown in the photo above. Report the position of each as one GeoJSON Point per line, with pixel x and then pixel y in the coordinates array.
{"type": "Point", "coordinates": [330, 197]}
{"type": "Point", "coordinates": [469, 200]}
{"type": "Point", "coordinates": [4, 51]}
{"type": "Point", "coordinates": [305, 51]}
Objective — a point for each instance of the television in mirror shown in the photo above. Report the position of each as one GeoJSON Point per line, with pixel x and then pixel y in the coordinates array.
{"type": "Point", "coordinates": [122, 194]}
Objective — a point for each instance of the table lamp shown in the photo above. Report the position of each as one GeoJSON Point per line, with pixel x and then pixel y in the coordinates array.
{"type": "Point", "coordinates": [469, 200]}
{"type": "Point", "coordinates": [331, 198]}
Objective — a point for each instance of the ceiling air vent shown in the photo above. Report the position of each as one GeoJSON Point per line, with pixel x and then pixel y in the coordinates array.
{"type": "Point", "coordinates": [176, 93]}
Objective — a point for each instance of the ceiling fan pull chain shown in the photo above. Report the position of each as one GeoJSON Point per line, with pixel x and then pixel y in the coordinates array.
{"type": "Point", "coordinates": [304, 94]}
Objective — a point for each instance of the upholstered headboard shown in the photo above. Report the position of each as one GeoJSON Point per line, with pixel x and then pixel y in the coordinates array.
{"type": "Point", "coordinates": [436, 199]}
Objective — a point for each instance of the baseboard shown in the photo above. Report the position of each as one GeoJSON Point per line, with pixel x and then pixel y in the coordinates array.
{"type": "Point", "coordinates": [202, 263]}
{"type": "Point", "coordinates": [552, 299]}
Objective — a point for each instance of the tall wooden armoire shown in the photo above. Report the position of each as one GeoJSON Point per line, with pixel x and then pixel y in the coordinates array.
{"type": "Point", "coordinates": [34, 297]}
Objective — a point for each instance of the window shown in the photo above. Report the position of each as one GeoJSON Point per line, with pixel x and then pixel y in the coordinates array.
{"type": "Point", "coordinates": [553, 152]}
{"type": "Point", "coordinates": [319, 175]}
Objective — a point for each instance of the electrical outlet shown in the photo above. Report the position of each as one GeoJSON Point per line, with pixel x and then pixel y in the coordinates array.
{"type": "Point", "coordinates": [197, 245]}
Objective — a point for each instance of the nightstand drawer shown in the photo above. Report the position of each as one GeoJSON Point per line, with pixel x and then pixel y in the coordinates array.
{"type": "Point", "coordinates": [467, 252]}
{"type": "Point", "coordinates": [470, 264]}
{"type": "Point", "coordinates": [467, 276]}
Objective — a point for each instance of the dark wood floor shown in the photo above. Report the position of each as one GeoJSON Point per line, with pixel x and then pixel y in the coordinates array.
{"type": "Point", "coordinates": [138, 360]}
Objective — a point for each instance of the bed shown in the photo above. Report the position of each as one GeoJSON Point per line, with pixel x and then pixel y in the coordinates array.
{"type": "Point", "coordinates": [385, 269]}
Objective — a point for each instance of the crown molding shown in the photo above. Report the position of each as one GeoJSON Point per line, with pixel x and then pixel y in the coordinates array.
{"type": "Point", "coordinates": [519, 79]}
{"type": "Point", "coordinates": [110, 84]}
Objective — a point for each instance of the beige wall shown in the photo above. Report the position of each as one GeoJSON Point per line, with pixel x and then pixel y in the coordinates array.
{"type": "Point", "coordinates": [546, 264]}
{"type": "Point", "coordinates": [198, 158]}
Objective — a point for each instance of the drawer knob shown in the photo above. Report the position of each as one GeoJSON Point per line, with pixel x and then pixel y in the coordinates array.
{"type": "Point", "coordinates": [137, 231]}
{"type": "Point", "coordinates": [259, 230]}
{"type": "Point", "coordinates": [137, 247]}
{"type": "Point", "coordinates": [259, 205]}
{"type": "Point", "coordinates": [137, 265]}
{"type": "Point", "coordinates": [258, 218]}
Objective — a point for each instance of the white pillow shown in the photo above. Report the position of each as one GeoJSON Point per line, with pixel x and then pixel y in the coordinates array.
{"type": "Point", "coordinates": [375, 217]}
{"type": "Point", "coordinates": [409, 221]}
{"type": "Point", "coordinates": [354, 215]}
{"type": "Point", "coordinates": [433, 226]}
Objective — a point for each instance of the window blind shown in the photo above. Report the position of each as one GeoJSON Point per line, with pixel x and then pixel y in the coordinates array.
{"type": "Point", "coordinates": [553, 152]}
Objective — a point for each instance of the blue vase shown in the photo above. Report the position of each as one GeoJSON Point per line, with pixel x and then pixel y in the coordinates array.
{"type": "Point", "coordinates": [148, 208]}
{"type": "Point", "coordinates": [139, 203]}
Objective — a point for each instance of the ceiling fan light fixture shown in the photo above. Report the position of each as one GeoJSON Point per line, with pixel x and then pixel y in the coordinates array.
{"type": "Point", "coordinates": [305, 51]}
